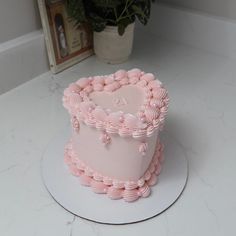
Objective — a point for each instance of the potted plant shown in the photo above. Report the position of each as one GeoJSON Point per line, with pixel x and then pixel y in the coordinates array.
{"type": "Point", "coordinates": [112, 22]}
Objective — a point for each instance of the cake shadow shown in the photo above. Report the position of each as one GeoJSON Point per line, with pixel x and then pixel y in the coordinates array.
{"type": "Point", "coordinates": [185, 134]}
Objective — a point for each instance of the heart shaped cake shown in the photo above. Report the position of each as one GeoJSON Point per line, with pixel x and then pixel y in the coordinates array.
{"type": "Point", "coordinates": [116, 119]}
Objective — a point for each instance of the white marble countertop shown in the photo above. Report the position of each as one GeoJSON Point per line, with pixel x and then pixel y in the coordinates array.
{"type": "Point", "coordinates": [202, 87]}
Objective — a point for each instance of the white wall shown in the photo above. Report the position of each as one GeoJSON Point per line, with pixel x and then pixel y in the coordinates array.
{"type": "Point", "coordinates": [22, 48]}
{"type": "Point", "coordinates": [18, 17]}
{"type": "Point", "coordinates": [223, 8]}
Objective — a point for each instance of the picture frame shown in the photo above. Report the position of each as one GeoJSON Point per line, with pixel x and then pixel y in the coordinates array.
{"type": "Point", "coordinates": [66, 42]}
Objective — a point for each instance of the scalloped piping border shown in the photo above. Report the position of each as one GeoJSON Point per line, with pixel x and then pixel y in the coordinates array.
{"type": "Point", "coordinates": [154, 91]}
{"type": "Point", "coordinates": [115, 189]}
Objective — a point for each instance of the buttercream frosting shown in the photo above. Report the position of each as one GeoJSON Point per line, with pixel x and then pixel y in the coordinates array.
{"type": "Point", "coordinates": [120, 115]}
{"type": "Point", "coordinates": [78, 102]}
{"type": "Point", "coordinates": [115, 189]}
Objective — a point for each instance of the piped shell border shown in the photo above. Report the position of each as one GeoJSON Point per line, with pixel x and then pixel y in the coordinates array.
{"type": "Point", "coordinates": [148, 119]}
{"type": "Point", "coordinates": [115, 189]}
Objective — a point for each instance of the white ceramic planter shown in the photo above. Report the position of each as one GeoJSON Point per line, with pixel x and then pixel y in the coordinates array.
{"type": "Point", "coordinates": [112, 48]}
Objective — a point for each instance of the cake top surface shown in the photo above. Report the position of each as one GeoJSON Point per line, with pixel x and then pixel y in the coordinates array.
{"type": "Point", "coordinates": [127, 99]}
{"type": "Point", "coordinates": [128, 103]}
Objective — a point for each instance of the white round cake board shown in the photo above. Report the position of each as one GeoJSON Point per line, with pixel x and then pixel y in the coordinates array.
{"type": "Point", "coordinates": [83, 202]}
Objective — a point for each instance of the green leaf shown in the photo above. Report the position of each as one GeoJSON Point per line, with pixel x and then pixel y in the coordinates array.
{"type": "Point", "coordinates": [121, 29]}
{"type": "Point", "coordinates": [138, 10]}
{"type": "Point", "coordinates": [98, 23]}
{"type": "Point", "coordinates": [100, 13]}
{"type": "Point", "coordinates": [75, 9]}
{"type": "Point", "coordinates": [142, 11]}
{"type": "Point", "coordinates": [122, 24]}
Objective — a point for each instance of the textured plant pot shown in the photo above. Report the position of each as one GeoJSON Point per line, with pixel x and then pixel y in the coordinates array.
{"type": "Point", "coordinates": [112, 48]}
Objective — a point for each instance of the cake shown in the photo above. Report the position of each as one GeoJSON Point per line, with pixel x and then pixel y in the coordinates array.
{"type": "Point", "coordinates": [114, 147]}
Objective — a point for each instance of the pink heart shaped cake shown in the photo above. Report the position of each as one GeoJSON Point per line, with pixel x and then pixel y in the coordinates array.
{"type": "Point", "coordinates": [116, 119]}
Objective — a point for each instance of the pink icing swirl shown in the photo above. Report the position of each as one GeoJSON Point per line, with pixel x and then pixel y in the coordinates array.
{"type": "Point", "coordinates": [118, 184]}
{"type": "Point", "coordinates": [87, 107]}
{"type": "Point", "coordinates": [153, 180]}
{"type": "Point", "coordinates": [111, 129]}
{"type": "Point", "coordinates": [160, 93]}
{"type": "Point", "coordinates": [156, 103]}
{"type": "Point", "coordinates": [134, 80]}
{"type": "Point", "coordinates": [98, 187]}
{"type": "Point", "coordinates": [114, 193]}
{"type": "Point", "coordinates": [124, 81]}
{"type": "Point", "coordinates": [134, 72]}
{"type": "Point", "coordinates": [100, 125]}
{"type": "Point", "coordinates": [129, 185]}
{"type": "Point", "coordinates": [154, 84]}
{"type": "Point", "coordinates": [151, 114]}
{"type": "Point", "coordinates": [75, 99]}
{"type": "Point", "coordinates": [144, 191]}
{"type": "Point", "coordinates": [88, 89]}
{"type": "Point", "coordinates": [109, 79]}
{"type": "Point", "coordinates": [139, 133]}
{"type": "Point", "coordinates": [112, 87]}
{"type": "Point", "coordinates": [130, 121]}
{"type": "Point", "coordinates": [130, 195]}
{"type": "Point", "coordinates": [147, 175]}
{"type": "Point", "coordinates": [90, 122]}
{"type": "Point", "coordinates": [109, 88]}
{"type": "Point", "coordinates": [120, 74]}
{"type": "Point", "coordinates": [156, 123]}
{"type": "Point", "coordinates": [142, 83]}
{"type": "Point", "coordinates": [99, 114]}
{"type": "Point", "coordinates": [98, 87]}
{"type": "Point", "coordinates": [88, 171]}
{"type": "Point", "coordinates": [141, 182]}
{"type": "Point", "coordinates": [124, 132]}
{"type": "Point", "coordinates": [74, 88]}
{"type": "Point", "coordinates": [83, 82]}
{"type": "Point", "coordinates": [115, 118]}
{"type": "Point", "coordinates": [158, 170]}
{"type": "Point", "coordinates": [97, 176]}
{"type": "Point", "coordinates": [85, 180]}
{"type": "Point", "coordinates": [98, 80]}
{"type": "Point", "coordinates": [107, 180]}
{"type": "Point", "coordinates": [148, 77]}
{"type": "Point", "coordinates": [150, 131]}
{"type": "Point", "coordinates": [105, 138]}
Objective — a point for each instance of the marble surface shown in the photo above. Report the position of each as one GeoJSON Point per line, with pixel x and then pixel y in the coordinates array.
{"type": "Point", "coordinates": [202, 88]}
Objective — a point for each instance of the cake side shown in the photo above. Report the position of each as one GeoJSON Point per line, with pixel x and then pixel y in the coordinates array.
{"type": "Point", "coordinates": [115, 189]}
{"type": "Point", "coordinates": [120, 159]}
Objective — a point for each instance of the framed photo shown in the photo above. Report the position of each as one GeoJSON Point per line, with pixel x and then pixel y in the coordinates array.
{"type": "Point", "coordinates": [66, 42]}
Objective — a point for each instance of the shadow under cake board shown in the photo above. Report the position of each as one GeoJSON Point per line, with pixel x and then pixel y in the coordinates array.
{"type": "Point", "coordinates": [67, 191]}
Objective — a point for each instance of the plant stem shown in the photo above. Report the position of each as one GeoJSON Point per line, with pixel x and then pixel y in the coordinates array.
{"type": "Point", "coordinates": [127, 5]}
{"type": "Point", "coordinates": [115, 13]}
{"type": "Point", "coordinates": [111, 20]}
{"type": "Point", "coordinates": [127, 16]}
